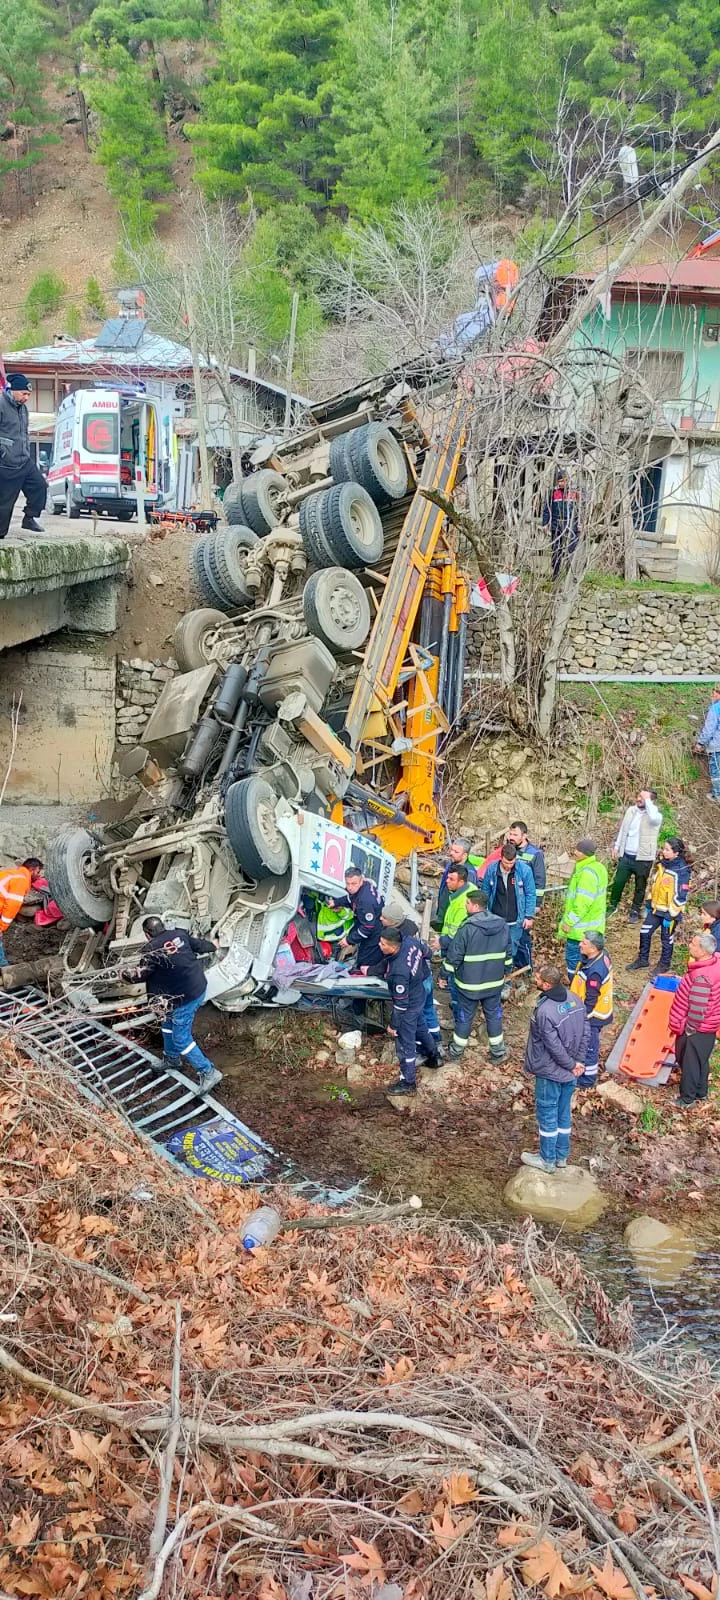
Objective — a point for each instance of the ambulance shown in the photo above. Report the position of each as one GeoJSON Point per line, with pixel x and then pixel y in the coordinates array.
{"type": "Point", "coordinates": [106, 441]}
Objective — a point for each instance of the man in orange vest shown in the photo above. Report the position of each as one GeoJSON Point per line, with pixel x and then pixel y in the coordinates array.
{"type": "Point", "coordinates": [14, 885]}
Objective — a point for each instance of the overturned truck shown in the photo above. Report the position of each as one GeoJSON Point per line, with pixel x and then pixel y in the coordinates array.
{"type": "Point", "coordinates": [316, 683]}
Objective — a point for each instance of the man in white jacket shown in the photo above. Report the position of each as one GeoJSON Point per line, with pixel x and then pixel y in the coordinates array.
{"type": "Point", "coordinates": [634, 850]}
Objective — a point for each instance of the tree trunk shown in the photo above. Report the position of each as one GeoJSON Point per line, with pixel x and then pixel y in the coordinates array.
{"type": "Point", "coordinates": [224, 383]}
{"type": "Point", "coordinates": [547, 686]}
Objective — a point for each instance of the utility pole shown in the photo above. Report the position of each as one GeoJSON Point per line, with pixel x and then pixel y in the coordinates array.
{"type": "Point", "coordinates": [205, 477]}
{"type": "Point", "coordinates": [290, 360]}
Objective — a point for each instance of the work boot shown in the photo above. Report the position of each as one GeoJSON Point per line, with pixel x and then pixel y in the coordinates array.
{"type": "Point", "coordinates": [433, 1063]}
{"type": "Point", "coordinates": [529, 1159]}
{"type": "Point", "coordinates": [636, 966]}
{"type": "Point", "coordinates": [173, 1061]}
{"type": "Point", "coordinates": [454, 1054]}
{"type": "Point", "coordinates": [496, 1056]}
{"type": "Point", "coordinates": [561, 1162]}
{"type": "Point", "coordinates": [208, 1079]}
{"type": "Point", "coordinates": [633, 916]}
{"type": "Point", "coordinates": [32, 524]}
{"type": "Point", "coordinates": [611, 910]}
{"type": "Point", "coordinates": [400, 1086]}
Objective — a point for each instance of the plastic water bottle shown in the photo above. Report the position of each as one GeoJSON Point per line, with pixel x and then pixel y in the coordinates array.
{"type": "Point", "coordinates": [261, 1227]}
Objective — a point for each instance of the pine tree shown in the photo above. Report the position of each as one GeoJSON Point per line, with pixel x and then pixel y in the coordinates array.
{"type": "Point", "coordinates": [265, 129]}
{"type": "Point", "coordinates": [131, 143]}
{"type": "Point", "coordinates": [25, 36]}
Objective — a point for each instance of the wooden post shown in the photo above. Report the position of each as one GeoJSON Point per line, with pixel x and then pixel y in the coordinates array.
{"type": "Point", "coordinates": [290, 360]}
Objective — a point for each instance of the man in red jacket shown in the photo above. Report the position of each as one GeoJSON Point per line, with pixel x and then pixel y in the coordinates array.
{"type": "Point", "coordinates": [695, 1018]}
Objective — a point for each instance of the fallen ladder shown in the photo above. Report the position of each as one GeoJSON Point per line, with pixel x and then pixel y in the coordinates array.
{"type": "Point", "coordinates": [155, 1099]}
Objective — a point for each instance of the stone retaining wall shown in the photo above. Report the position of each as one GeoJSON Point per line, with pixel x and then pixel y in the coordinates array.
{"type": "Point", "coordinates": [644, 630]}
{"type": "Point", "coordinates": [138, 688]}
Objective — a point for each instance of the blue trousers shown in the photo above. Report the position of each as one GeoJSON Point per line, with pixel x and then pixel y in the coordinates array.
{"type": "Point", "coordinates": [178, 1039]}
{"type": "Point", "coordinates": [3, 958]}
{"type": "Point", "coordinates": [572, 955]}
{"type": "Point", "coordinates": [592, 1055]}
{"type": "Point", "coordinates": [522, 954]}
{"type": "Point", "coordinates": [553, 1105]}
{"type": "Point", "coordinates": [429, 1014]}
{"type": "Point", "coordinates": [667, 926]}
{"type": "Point", "coordinates": [411, 1031]}
{"type": "Point", "coordinates": [714, 765]}
{"type": "Point", "coordinates": [465, 1016]}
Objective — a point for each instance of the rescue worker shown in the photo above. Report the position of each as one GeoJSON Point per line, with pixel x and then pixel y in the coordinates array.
{"type": "Point", "coordinates": [176, 987]}
{"type": "Point", "coordinates": [667, 898]}
{"type": "Point", "coordinates": [459, 854]}
{"type": "Point", "coordinates": [560, 515]}
{"type": "Point", "coordinates": [393, 916]}
{"type": "Point", "coordinates": [635, 849]}
{"type": "Point", "coordinates": [510, 888]}
{"type": "Point", "coordinates": [405, 977]}
{"type": "Point", "coordinates": [364, 933]}
{"type": "Point", "coordinates": [555, 1056]}
{"type": "Point", "coordinates": [593, 984]}
{"type": "Point", "coordinates": [18, 472]}
{"type": "Point", "coordinates": [15, 884]}
{"type": "Point", "coordinates": [695, 1019]}
{"type": "Point", "coordinates": [329, 922]}
{"type": "Point", "coordinates": [478, 957]}
{"type": "Point", "coordinates": [534, 858]}
{"type": "Point", "coordinates": [708, 741]}
{"type": "Point", "coordinates": [585, 908]}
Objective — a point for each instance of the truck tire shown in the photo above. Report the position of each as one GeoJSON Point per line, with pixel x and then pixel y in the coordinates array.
{"type": "Point", "coordinates": [340, 466]}
{"type": "Point", "coordinates": [190, 637]}
{"type": "Point", "coordinates": [378, 462]}
{"type": "Point", "coordinates": [337, 610]}
{"type": "Point", "coordinates": [311, 530]}
{"type": "Point", "coordinates": [259, 847]}
{"type": "Point", "coordinates": [351, 526]}
{"type": "Point", "coordinates": [226, 555]}
{"type": "Point", "coordinates": [260, 494]}
{"type": "Point", "coordinates": [84, 905]}
{"type": "Point", "coordinates": [202, 576]}
{"type": "Point", "coordinates": [232, 505]}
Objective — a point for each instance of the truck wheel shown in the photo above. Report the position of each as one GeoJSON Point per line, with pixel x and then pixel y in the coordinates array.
{"type": "Point", "coordinates": [259, 846]}
{"type": "Point", "coordinates": [68, 860]}
{"type": "Point", "coordinates": [227, 558]}
{"type": "Point", "coordinates": [202, 576]}
{"type": "Point", "coordinates": [340, 466]}
{"type": "Point", "coordinates": [73, 512]}
{"type": "Point", "coordinates": [378, 462]}
{"type": "Point", "coordinates": [190, 639]}
{"type": "Point", "coordinates": [351, 526]}
{"type": "Point", "coordinates": [232, 505]}
{"type": "Point", "coordinates": [260, 494]}
{"type": "Point", "coordinates": [311, 530]}
{"type": "Point", "coordinates": [336, 609]}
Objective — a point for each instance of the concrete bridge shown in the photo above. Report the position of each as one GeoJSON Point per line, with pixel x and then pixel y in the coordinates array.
{"type": "Point", "coordinates": [66, 580]}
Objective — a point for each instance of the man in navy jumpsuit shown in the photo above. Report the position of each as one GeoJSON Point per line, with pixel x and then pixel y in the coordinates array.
{"type": "Point", "coordinates": [364, 935]}
{"type": "Point", "coordinates": [405, 976]}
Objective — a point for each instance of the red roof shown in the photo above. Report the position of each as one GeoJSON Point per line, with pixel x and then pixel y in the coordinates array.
{"type": "Point", "coordinates": [688, 279]}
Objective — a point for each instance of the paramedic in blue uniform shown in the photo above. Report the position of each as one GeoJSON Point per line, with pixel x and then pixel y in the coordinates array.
{"type": "Point", "coordinates": [405, 975]}
{"type": "Point", "coordinates": [176, 989]}
{"type": "Point", "coordinates": [366, 905]}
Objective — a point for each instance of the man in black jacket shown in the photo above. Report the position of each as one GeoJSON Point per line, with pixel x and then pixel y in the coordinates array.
{"type": "Point", "coordinates": [175, 983]}
{"type": "Point", "coordinates": [478, 957]}
{"type": "Point", "coordinates": [405, 978]}
{"type": "Point", "coordinates": [18, 473]}
{"type": "Point", "coordinates": [555, 1056]}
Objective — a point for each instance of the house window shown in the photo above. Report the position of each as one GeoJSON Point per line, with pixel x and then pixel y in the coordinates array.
{"type": "Point", "coordinates": [661, 371]}
{"type": "Point", "coordinates": [44, 396]}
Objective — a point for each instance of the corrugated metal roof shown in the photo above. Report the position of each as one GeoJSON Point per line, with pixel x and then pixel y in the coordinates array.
{"type": "Point", "coordinates": [685, 274]}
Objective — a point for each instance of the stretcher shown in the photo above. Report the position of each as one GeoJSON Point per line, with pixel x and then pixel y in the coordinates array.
{"type": "Point", "coordinates": [644, 1051]}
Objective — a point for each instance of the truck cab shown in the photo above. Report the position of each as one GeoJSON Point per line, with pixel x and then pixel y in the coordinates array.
{"type": "Point", "coordinates": [106, 441]}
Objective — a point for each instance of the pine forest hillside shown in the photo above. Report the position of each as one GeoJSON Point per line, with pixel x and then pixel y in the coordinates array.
{"type": "Point", "coordinates": [315, 118]}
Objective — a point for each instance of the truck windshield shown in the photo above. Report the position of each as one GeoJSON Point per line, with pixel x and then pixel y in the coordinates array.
{"type": "Point", "coordinates": [100, 433]}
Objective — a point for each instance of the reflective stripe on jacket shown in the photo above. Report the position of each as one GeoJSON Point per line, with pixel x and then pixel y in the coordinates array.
{"type": "Point", "coordinates": [593, 984]}
{"type": "Point", "coordinates": [669, 886]}
{"type": "Point", "coordinates": [585, 899]}
{"type": "Point", "coordinates": [14, 886]}
{"type": "Point", "coordinates": [455, 915]}
{"type": "Point", "coordinates": [480, 954]}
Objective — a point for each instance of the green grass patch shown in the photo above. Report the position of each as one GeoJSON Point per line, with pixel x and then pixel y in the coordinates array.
{"type": "Point", "coordinates": [610, 580]}
{"type": "Point", "coordinates": [663, 707]}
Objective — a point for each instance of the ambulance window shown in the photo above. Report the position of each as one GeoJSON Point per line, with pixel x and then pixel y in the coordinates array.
{"type": "Point", "coordinates": [100, 433]}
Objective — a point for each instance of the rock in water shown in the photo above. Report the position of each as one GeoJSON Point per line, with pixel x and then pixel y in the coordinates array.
{"type": "Point", "coordinates": [570, 1196]}
{"type": "Point", "coordinates": [660, 1253]}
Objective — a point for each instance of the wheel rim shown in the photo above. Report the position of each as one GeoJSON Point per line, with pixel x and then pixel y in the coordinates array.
{"type": "Point", "coordinates": [386, 458]}
{"type": "Point", "coordinates": [344, 608]}
{"type": "Point", "coordinates": [267, 826]}
{"type": "Point", "coordinates": [361, 523]}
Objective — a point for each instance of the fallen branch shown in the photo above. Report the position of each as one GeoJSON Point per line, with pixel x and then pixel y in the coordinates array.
{"type": "Point", "coordinates": [705, 1492]}
{"type": "Point", "coordinates": [90, 1267]}
{"type": "Point", "coordinates": [356, 1219]}
{"type": "Point", "coordinates": [157, 1537]}
{"type": "Point", "coordinates": [246, 1519]}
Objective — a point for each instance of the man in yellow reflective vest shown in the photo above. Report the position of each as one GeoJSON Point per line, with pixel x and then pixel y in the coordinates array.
{"type": "Point", "coordinates": [15, 884]}
{"type": "Point", "coordinates": [593, 984]}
